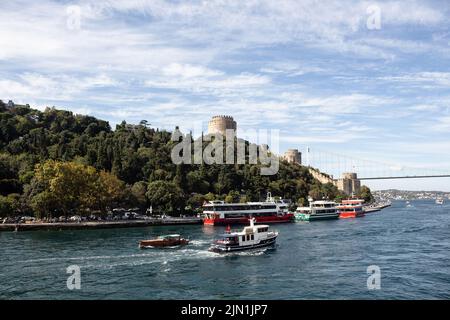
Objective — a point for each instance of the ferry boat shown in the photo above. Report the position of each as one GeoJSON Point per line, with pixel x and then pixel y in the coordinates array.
{"type": "Point", "coordinates": [251, 237]}
{"type": "Point", "coordinates": [317, 210]}
{"type": "Point", "coordinates": [440, 201]}
{"type": "Point", "coordinates": [170, 240]}
{"type": "Point", "coordinates": [351, 208]}
{"type": "Point", "coordinates": [269, 211]}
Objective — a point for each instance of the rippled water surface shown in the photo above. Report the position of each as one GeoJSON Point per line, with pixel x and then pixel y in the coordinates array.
{"type": "Point", "coordinates": [322, 259]}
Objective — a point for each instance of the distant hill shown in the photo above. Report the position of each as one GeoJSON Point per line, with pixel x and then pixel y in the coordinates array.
{"type": "Point", "coordinates": [395, 194]}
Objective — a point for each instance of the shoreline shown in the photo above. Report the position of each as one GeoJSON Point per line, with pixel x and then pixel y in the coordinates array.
{"type": "Point", "coordinates": [97, 224]}
{"type": "Point", "coordinates": [120, 224]}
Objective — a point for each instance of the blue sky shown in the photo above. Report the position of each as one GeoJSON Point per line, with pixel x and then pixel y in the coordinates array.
{"type": "Point", "coordinates": [312, 69]}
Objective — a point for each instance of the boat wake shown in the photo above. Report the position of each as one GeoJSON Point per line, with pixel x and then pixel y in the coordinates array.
{"type": "Point", "coordinates": [246, 253]}
{"type": "Point", "coordinates": [198, 243]}
{"type": "Point", "coordinates": [198, 249]}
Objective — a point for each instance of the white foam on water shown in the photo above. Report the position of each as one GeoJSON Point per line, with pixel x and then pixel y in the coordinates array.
{"type": "Point", "coordinates": [85, 258]}
{"type": "Point", "coordinates": [199, 242]}
{"type": "Point", "coordinates": [160, 256]}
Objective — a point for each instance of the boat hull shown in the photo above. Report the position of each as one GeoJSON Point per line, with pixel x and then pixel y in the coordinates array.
{"type": "Point", "coordinates": [369, 210]}
{"type": "Point", "coordinates": [244, 220]}
{"type": "Point", "coordinates": [349, 215]}
{"type": "Point", "coordinates": [225, 249]}
{"type": "Point", "coordinates": [314, 217]}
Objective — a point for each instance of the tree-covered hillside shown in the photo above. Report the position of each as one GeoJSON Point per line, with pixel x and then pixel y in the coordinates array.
{"type": "Point", "coordinates": [57, 163]}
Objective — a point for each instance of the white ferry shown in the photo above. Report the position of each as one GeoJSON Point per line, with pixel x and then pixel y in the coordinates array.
{"type": "Point", "coordinates": [269, 211]}
{"type": "Point", "coordinates": [251, 237]}
{"type": "Point", "coordinates": [317, 210]}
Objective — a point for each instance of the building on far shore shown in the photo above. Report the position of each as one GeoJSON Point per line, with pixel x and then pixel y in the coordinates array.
{"type": "Point", "coordinates": [220, 124]}
{"type": "Point", "coordinates": [293, 156]}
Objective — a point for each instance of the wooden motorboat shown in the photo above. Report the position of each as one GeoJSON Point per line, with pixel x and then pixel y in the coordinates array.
{"type": "Point", "coordinates": [164, 241]}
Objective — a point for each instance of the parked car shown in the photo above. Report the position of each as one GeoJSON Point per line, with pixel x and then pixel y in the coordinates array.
{"type": "Point", "coordinates": [10, 220]}
{"type": "Point", "coordinates": [75, 218]}
{"type": "Point", "coordinates": [27, 219]}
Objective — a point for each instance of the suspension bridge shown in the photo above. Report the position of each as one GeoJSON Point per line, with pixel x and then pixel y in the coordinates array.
{"type": "Point", "coordinates": [335, 165]}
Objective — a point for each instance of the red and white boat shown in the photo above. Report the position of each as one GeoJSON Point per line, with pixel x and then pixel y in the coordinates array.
{"type": "Point", "coordinates": [351, 208]}
{"type": "Point", "coordinates": [271, 211]}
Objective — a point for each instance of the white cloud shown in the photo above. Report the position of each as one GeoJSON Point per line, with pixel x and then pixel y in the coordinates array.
{"type": "Point", "coordinates": [442, 124]}
{"type": "Point", "coordinates": [54, 87]}
{"type": "Point", "coordinates": [423, 79]}
{"type": "Point", "coordinates": [189, 71]}
{"type": "Point", "coordinates": [425, 108]}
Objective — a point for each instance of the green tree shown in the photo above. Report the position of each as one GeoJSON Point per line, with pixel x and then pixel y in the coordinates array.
{"type": "Point", "coordinates": [138, 191]}
{"type": "Point", "coordinates": [110, 190]}
{"type": "Point", "coordinates": [73, 187]}
{"type": "Point", "coordinates": [196, 201]}
{"type": "Point", "coordinates": [165, 197]}
{"type": "Point", "coordinates": [9, 205]}
{"type": "Point", "coordinates": [232, 197]}
{"type": "Point", "coordinates": [366, 194]}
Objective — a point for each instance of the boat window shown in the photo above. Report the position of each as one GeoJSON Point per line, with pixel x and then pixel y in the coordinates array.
{"type": "Point", "coordinates": [248, 237]}
{"type": "Point", "coordinates": [243, 238]}
{"type": "Point", "coordinates": [252, 237]}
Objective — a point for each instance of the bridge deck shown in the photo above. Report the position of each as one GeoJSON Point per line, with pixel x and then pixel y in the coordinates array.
{"type": "Point", "coordinates": [406, 177]}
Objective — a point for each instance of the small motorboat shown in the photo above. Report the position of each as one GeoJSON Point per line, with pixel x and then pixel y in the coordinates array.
{"type": "Point", "coordinates": [170, 240]}
{"type": "Point", "coordinates": [251, 237]}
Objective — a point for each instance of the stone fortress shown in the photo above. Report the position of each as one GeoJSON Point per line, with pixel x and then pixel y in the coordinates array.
{"type": "Point", "coordinates": [293, 156]}
{"type": "Point", "coordinates": [219, 124]}
{"type": "Point", "coordinates": [348, 183]}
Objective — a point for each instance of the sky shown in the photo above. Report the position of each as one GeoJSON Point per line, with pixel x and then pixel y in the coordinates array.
{"type": "Point", "coordinates": [364, 79]}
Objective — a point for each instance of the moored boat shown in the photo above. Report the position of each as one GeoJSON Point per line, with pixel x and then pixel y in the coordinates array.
{"type": "Point", "coordinates": [269, 211]}
{"type": "Point", "coordinates": [164, 241]}
{"type": "Point", "coordinates": [351, 208]}
{"type": "Point", "coordinates": [317, 210]}
{"type": "Point", "coordinates": [440, 201]}
{"type": "Point", "coordinates": [251, 237]}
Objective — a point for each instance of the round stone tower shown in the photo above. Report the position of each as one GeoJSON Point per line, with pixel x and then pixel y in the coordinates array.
{"type": "Point", "coordinates": [293, 156]}
{"type": "Point", "coordinates": [219, 124]}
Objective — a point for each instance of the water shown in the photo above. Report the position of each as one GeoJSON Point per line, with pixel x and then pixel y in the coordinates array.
{"type": "Point", "coordinates": [317, 260]}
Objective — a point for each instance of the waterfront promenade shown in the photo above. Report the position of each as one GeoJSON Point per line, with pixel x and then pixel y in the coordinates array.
{"type": "Point", "coordinates": [97, 224]}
